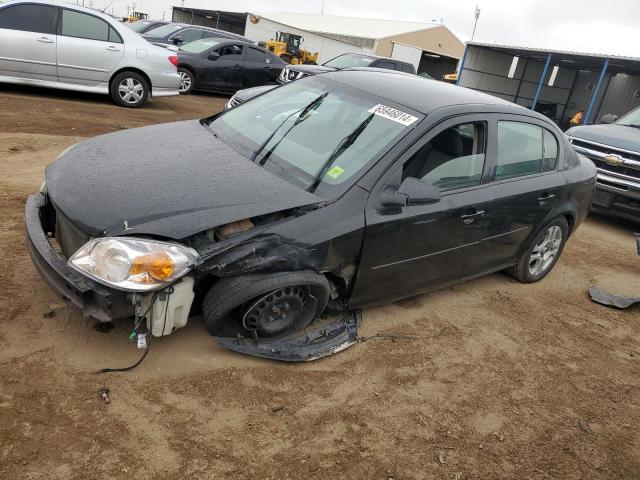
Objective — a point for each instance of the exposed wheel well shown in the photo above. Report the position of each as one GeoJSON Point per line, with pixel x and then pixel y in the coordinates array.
{"type": "Point", "coordinates": [133, 69]}
{"type": "Point", "coordinates": [570, 221]}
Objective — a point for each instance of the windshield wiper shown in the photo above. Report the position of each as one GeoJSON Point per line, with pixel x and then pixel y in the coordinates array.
{"type": "Point", "coordinates": [344, 144]}
{"type": "Point", "coordinates": [301, 118]}
{"type": "Point", "coordinates": [633, 125]}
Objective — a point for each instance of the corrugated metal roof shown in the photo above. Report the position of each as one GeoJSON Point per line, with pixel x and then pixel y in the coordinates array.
{"type": "Point", "coordinates": [347, 26]}
{"type": "Point", "coordinates": [563, 53]}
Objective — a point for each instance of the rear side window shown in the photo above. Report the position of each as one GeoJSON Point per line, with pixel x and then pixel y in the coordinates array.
{"type": "Point", "coordinates": [550, 151]}
{"type": "Point", "coordinates": [29, 18]}
{"type": "Point", "coordinates": [82, 25]}
{"type": "Point", "coordinates": [524, 149]}
{"type": "Point", "coordinates": [387, 65]}
{"type": "Point", "coordinates": [407, 68]}
{"type": "Point", "coordinates": [190, 35]}
{"type": "Point", "coordinates": [255, 55]}
{"type": "Point", "coordinates": [452, 159]}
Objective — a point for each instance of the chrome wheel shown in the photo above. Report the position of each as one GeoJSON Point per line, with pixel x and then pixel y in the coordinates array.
{"type": "Point", "coordinates": [131, 91]}
{"type": "Point", "coordinates": [545, 251]}
{"type": "Point", "coordinates": [185, 82]}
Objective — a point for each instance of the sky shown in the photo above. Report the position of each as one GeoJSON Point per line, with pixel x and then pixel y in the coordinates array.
{"type": "Point", "coordinates": [593, 26]}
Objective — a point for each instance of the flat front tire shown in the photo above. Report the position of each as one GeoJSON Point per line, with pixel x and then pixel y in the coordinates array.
{"type": "Point", "coordinates": [545, 250]}
{"type": "Point", "coordinates": [129, 89]}
{"type": "Point", "coordinates": [268, 306]}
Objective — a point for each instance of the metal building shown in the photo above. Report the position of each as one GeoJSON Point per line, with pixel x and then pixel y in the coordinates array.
{"type": "Point", "coordinates": [431, 47]}
{"type": "Point", "coordinates": [556, 83]}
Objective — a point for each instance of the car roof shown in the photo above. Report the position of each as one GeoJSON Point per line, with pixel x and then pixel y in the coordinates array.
{"type": "Point", "coordinates": [421, 94]}
{"type": "Point", "coordinates": [370, 55]}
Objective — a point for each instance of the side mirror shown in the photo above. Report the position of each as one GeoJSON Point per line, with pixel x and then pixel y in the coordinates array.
{"type": "Point", "coordinates": [608, 118]}
{"type": "Point", "coordinates": [214, 56]}
{"type": "Point", "coordinates": [411, 192]}
{"type": "Point", "coordinates": [177, 40]}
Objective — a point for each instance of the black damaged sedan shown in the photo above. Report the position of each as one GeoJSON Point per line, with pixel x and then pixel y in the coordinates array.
{"type": "Point", "coordinates": [334, 192]}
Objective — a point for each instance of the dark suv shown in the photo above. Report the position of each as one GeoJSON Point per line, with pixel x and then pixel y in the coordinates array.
{"type": "Point", "coordinates": [348, 60]}
{"type": "Point", "coordinates": [615, 150]}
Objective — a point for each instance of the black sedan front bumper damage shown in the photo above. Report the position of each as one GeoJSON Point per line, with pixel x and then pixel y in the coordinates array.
{"type": "Point", "coordinates": [91, 298]}
{"type": "Point", "coordinates": [300, 347]}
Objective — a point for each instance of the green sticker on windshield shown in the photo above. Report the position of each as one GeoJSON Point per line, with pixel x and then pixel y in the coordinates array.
{"type": "Point", "coordinates": [335, 172]}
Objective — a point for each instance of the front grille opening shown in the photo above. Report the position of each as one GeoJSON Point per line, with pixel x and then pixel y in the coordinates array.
{"type": "Point", "coordinates": [612, 184]}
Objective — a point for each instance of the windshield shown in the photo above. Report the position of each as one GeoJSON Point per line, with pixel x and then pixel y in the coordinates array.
{"type": "Point", "coordinates": [349, 60]}
{"type": "Point", "coordinates": [139, 25]}
{"type": "Point", "coordinates": [315, 133]}
{"type": "Point", "coordinates": [199, 46]}
{"type": "Point", "coordinates": [631, 119]}
{"type": "Point", "coordinates": [163, 31]}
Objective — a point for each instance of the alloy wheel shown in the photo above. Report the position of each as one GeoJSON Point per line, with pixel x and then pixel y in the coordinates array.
{"type": "Point", "coordinates": [131, 90]}
{"type": "Point", "coordinates": [185, 82]}
{"type": "Point", "coordinates": [545, 251]}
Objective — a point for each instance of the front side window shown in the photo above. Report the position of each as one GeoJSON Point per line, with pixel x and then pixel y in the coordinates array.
{"type": "Point", "coordinates": [315, 133]}
{"type": "Point", "coordinates": [29, 18]}
{"type": "Point", "coordinates": [350, 60]}
{"type": "Point", "coordinates": [82, 25]}
{"type": "Point", "coordinates": [524, 149]}
{"type": "Point", "coordinates": [452, 159]}
{"type": "Point", "coordinates": [230, 51]}
{"type": "Point", "coordinates": [189, 35]}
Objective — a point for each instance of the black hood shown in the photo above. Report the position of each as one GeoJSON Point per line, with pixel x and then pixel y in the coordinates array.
{"type": "Point", "coordinates": [618, 136]}
{"type": "Point", "coordinates": [310, 69]}
{"type": "Point", "coordinates": [172, 180]}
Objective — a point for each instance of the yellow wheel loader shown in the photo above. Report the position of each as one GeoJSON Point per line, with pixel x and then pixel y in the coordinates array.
{"type": "Point", "coordinates": [287, 47]}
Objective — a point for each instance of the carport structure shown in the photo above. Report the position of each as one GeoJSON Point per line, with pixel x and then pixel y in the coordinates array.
{"type": "Point", "coordinates": [556, 83]}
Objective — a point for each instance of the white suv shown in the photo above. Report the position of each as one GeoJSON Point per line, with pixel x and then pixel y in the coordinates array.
{"type": "Point", "coordinates": [69, 47]}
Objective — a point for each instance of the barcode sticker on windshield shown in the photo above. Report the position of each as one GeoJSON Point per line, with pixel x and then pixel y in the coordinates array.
{"type": "Point", "coordinates": [392, 114]}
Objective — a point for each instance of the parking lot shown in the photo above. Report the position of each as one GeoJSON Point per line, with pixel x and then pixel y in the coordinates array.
{"type": "Point", "coordinates": [488, 379]}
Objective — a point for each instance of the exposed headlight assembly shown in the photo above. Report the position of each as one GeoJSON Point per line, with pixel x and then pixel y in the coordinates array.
{"type": "Point", "coordinates": [133, 264]}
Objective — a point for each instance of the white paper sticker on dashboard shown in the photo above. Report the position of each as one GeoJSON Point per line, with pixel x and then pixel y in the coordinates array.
{"type": "Point", "coordinates": [392, 114]}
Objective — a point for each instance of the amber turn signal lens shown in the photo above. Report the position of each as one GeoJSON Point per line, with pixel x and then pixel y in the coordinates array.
{"type": "Point", "coordinates": [158, 264]}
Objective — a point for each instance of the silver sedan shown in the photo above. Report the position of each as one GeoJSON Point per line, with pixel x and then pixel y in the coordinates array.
{"type": "Point", "coordinates": [74, 48]}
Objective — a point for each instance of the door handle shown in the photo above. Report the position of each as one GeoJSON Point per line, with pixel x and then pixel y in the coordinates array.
{"type": "Point", "coordinates": [111, 48]}
{"type": "Point", "coordinates": [469, 218]}
{"type": "Point", "coordinates": [45, 40]}
{"type": "Point", "coordinates": [545, 198]}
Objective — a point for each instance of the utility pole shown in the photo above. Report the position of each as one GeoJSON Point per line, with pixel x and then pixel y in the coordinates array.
{"type": "Point", "coordinates": [475, 24]}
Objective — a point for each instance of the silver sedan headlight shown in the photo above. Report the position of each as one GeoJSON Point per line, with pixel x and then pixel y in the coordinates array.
{"type": "Point", "coordinates": [133, 264]}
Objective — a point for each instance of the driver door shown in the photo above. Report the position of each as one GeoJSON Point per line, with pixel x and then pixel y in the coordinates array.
{"type": "Point", "coordinates": [413, 249]}
{"type": "Point", "coordinates": [224, 73]}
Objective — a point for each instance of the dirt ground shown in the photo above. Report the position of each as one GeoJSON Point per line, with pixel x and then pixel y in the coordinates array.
{"type": "Point", "coordinates": [488, 381]}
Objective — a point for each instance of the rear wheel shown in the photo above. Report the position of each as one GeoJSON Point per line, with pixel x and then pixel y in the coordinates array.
{"type": "Point", "coordinates": [542, 255]}
{"type": "Point", "coordinates": [129, 89]}
{"type": "Point", "coordinates": [267, 306]}
{"type": "Point", "coordinates": [186, 81]}
{"type": "Point", "coordinates": [285, 58]}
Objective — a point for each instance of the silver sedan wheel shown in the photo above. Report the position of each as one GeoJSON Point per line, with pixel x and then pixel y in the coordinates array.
{"type": "Point", "coordinates": [185, 82]}
{"type": "Point", "coordinates": [545, 251]}
{"type": "Point", "coordinates": [131, 90]}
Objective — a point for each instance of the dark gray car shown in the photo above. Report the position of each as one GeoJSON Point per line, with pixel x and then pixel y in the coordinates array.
{"type": "Point", "coordinates": [615, 150]}
{"type": "Point", "coordinates": [181, 33]}
{"type": "Point", "coordinates": [348, 60]}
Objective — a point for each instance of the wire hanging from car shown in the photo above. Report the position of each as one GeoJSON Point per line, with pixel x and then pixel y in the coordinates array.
{"type": "Point", "coordinates": [139, 320]}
